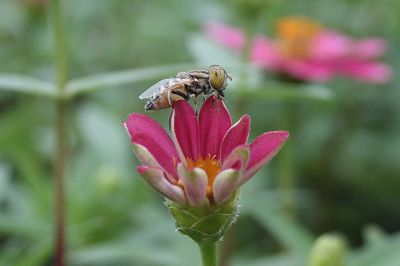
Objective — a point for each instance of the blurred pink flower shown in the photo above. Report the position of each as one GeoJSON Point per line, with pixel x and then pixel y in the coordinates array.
{"type": "Point", "coordinates": [305, 50]}
{"type": "Point", "coordinates": [207, 158]}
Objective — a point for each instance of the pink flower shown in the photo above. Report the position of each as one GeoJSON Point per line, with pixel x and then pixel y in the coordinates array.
{"type": "Point", "coordinates": [305, 50]}
{"type": "Point", "coordinates": [206, 160]}
{"type": "Point", "coordinates": [226, 35]}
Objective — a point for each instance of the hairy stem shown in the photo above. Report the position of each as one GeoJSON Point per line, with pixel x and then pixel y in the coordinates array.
{"type": "Point", "coordinates": [61, 131]}
{"type": "Point", "coordinates": [208, 254]}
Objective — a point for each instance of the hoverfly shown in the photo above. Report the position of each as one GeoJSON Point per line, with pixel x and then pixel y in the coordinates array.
{"type": "Point", "coordinates": [185, 85]}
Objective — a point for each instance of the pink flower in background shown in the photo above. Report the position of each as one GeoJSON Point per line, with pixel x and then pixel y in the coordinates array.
{"type": "Point", "coordinates": [306, 50]}
{"type": "Point", "coordinates": [207, 158]}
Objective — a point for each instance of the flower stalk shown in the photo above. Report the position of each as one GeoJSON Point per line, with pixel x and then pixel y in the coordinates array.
{"type": "Point", "coordinates": [209, 253]}
{"type": "Point", "coordinates": [59, 172]}
{"type": "Point", "coordinates": [287, 164]}
{"type": "Point", "coordinates": [61, 131]}
{"type": "Point", "coordinates": [59, 45]}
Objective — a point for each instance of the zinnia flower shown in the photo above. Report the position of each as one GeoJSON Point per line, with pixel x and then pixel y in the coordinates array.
{"type": "Point", "coordinates": [206, 160]}
{"type": "Point", "coordinates": [305, 50]}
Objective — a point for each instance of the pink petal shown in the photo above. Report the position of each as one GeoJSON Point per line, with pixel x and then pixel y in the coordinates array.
{"type": "Point", "coordinates": [226, 35]}
{"type": "Point", "coordinates": [147, 132]}
{"type": "Point", "coordinates": [369, 48]}
{"type": "Point", "coordinates": [237, 159]}
{"type": "Point", "coordinates": [237, 135]}
{"type": "Point", "coordinates": [195, 183]}
{"type": "Point", "coordinates": [264, 53]}
{"type": "Point", "coordinates": [330, 45]}
{"type": "Point", "coordinates": [147, 159]}
{"type": "Point", "coordinates": [214, 121]}
{"type": "Point", "coordinates": [262, 149]}
{"type": "Point", "coordinates": [155, 178]}
{"type": "Point", "coordinates": [185, 130]}
{"type": "Point", "coordinates": [308, 70]}
{"type": "Point", "coordinates": [366, 71]}
{"type": "Point", "coordinates": [144, 156]}
{"type": "Point", "coordinates": [224, 184]}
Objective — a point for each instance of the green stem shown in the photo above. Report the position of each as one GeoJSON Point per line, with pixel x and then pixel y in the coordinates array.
{"type": "Point", "coordinates": [59, 173]}
{"type": "Point", "coordinates": [286, 180]}
{"type": "Point", "coordinates": [208, 254]}
{"type": "Point", "coordinates": [286, 164]}
{"type": "Point", "coordinates": [61, 131]}
{"type": "Point", "coordinates": [59, 45]}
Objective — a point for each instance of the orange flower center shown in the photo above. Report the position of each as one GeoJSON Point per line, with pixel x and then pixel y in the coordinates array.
{"type": "Point", "coordinates": [295, 35]}
{"type": "Point", "coordinates": [211, 166]}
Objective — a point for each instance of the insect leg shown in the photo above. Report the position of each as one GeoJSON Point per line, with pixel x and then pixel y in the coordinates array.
{"type": "Point", "coordinates": [169, 97]}
{"type": "Point", "coordinates": [195, 103]}
{"type": "Point", "coordinates": [221, 95]}
{"type": "Point", "coordinates": [170, 121]}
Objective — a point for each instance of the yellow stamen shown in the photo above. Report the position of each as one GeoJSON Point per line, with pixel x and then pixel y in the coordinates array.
{"type": "Point", "coordinates": [211, 166]}
{"type": "Point", "coordinates": [295, 35]}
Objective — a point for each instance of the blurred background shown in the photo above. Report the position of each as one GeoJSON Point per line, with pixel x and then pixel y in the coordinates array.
{"type": "Point", "coordinates": [339, 173]}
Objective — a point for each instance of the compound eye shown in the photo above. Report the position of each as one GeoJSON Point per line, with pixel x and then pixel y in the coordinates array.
{"type": "Point", "coordinates": [217, 77]}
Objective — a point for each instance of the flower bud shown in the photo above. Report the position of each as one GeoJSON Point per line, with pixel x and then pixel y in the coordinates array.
{"type": "Point", "coordinates": [108, 180]}
{"type": "Point", "coordinates": [205, 224]}
{"type": "Point", "coordinates": [328, 250]}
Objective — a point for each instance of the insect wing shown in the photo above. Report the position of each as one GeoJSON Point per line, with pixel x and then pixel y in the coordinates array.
{"type": "Point", "coordinates": [155, 90]}
{"type": "Point", "coordinates": [164, 85]}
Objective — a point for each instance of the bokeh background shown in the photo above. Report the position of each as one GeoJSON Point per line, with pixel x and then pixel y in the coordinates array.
{"type": "Point", "coordinates": [343, 157]}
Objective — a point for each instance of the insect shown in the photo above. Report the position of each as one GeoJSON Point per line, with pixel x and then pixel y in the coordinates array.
{"type": "Point", "coordinates": [185, 85]}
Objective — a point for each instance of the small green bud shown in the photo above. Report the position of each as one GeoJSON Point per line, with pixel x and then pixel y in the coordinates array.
{"type": "Point", "coordinates": [328, 250]}
{"type": "Point", "coordinates": [108, 180]}
{"type": "Point", "coordinates": [205, 224]}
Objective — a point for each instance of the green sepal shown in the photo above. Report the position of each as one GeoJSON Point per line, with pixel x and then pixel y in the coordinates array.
{"type": "Point", "coordinates": [205, 224]}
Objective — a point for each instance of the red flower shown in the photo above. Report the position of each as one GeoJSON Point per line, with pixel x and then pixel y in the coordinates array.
{"type": "Point", "coordinates": [207, 158]}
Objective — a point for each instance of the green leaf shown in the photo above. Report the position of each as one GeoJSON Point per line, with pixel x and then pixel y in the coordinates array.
{"type": "Point", "coordinates": [118, 78]}
{"type": "Point", "coordinates": [20, 253]}
{"type": "Point", "coordinates": [290, 233]}
{"type": "Point", "coordinates": [277, 90]}
{"type": "Point", "coordinates": [24, 226]}
{"type": "Point", "coordinates": [37, 254]}
{"type": "Point", "coordinates": [385, 253]}
{"type": "Point", "coordinates": [111, 253]}
{"type": "Point", "coordinates": [4, 180]}
{"type": "Point", "coordinates": [373, 234]}
{"type": "Point", "coordinates": [26, 84]}
{"type": "Point", "coordinates": [277, 260]}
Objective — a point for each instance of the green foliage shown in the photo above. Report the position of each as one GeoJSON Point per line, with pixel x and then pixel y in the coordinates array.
{"type": "Point", "coordinates": [291, 235]}
{"type": "Point", "coordinates": [24, 84]}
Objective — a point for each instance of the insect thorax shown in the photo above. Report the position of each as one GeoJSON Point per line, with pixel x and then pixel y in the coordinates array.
{"type": "Point", "coordinates": [200, 86]}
